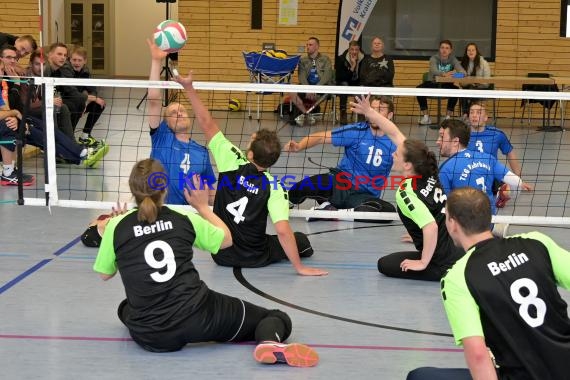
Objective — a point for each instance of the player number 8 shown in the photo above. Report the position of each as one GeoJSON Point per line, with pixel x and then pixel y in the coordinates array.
{"type": "Point", "coordinates": [525, 301]}
{"type": "Point", "coordinates": [167, 261]}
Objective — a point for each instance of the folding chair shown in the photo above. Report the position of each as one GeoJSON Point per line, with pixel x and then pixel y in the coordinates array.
{"type": "Point", "coordinates": [546, 104]}
{"type": "Point", "coordinates": [265, 69]}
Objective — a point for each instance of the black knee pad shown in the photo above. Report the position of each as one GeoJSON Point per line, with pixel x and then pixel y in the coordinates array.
{"type": "Point", "coordinates": [303, 245]}
{"type": "Point", "coordinates": [286, 321]}
{"type": "Point", "coordinates": [380, 266]}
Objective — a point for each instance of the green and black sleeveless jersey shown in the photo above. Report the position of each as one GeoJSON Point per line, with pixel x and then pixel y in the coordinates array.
{"type": "Point", "coordinates": [506, 291]}
{"type": "Point", "coordinates": [244, 198]}
{"type": "Point", "coordinates": [422, 201]}
{"type": "Point", "coordinates": [155, 262]}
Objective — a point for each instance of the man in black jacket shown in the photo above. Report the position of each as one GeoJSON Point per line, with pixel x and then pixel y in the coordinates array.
{"type": "Point", "coordinates": [347, 67]}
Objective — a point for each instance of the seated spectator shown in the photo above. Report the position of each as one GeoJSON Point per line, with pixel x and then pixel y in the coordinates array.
{"type": "Point", "coordinates": [9, 120]}
{"type": "Point", "coordinates": [95, 103]}
{"type": "Point", "coordinates": [66, 148]}
{"type": "Point", "coordinates": [347, 67]}
{"type": "Point", "coordinates": [24, 45]}
{"type": "Point", "coordinates": [314, 69]}
{"type": "Point", "coordinates": [59, 67]}
{"type": "Point", "coordinates": [475, 66]}
{"type": "Point", "coordinates": [10, 72]}
{"type": "Point", "coordinates": [441, 64]}
{"type": "Point", "coordinates": [62, 115]}
{"type": "Point", "coordinates": [367, 154]}
{"type": "Point", "coordinates": [377, 69]}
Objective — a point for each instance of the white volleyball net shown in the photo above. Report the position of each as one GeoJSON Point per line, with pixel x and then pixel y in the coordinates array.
{"type": "Point", "coordinates": [537, 137]}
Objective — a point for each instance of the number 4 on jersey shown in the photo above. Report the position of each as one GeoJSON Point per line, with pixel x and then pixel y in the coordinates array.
{"type": "Point", "coordinates": [237, 209]}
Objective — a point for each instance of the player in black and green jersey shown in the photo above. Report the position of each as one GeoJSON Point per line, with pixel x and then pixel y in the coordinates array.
{"type": "Point", "coordinates": [503, 294]}
{"type": "Point", "coordinates": [420, 201]}
{"type": "Point", "coordinates": [167, 305]}
{"type": "Point", "coordinates": [247, 194]}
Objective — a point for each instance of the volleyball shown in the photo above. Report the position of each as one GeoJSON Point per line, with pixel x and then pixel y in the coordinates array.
{"type": "Point", "coordinates": [234, 105]}
{"type": "Point", "coordinates": [170, 36]}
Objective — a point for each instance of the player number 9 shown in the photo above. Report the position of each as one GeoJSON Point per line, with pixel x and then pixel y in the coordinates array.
{"type": "Point", "coordinates": [167, 261]}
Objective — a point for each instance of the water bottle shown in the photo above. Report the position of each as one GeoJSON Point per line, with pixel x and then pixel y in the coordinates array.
{"type": "Point", "coordinates": [56, 108]}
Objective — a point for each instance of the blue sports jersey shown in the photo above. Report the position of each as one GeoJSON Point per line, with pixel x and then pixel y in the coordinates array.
{"type": "Point", "coordinates": [180, 160]}
{"type": "Point", "coordinates": [490, 140]}
{"type": "Point", "coordinates": [473, 169]}
{"type": "Point", "coordinates": [365, 155]}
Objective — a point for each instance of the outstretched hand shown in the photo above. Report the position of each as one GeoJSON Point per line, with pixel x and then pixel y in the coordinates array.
{"type": "Point", "coordinates": [155, 51]}
{"type": "Point", "coordinates": [119, 210]}
{"type": "Point", "coordinates": [361, 105]}
{"type": "Point", "coordinates": [186, 82]}
{"type": "Point", "coordinates": [308, 271]}
{"type": "Point", "coordinates": [291, 146]}
{"type": "Point", "coordinates": [527, 187]}
{"type": "Point", "coordinates": [196, 192]}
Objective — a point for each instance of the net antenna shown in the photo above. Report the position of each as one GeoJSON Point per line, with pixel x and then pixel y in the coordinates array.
{"type": "Point", "coordinates": [166, 71]}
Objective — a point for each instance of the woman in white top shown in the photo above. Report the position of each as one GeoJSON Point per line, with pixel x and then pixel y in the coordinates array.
{"type": "Point", "coordinates": [475, 66]}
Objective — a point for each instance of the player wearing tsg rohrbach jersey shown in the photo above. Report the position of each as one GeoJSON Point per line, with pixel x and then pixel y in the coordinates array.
{"type": "Point", "coordinates": [505, 290]}
{"type": "Point", "coordinates": [148, 278]}
{"type": "Point", "coordinates": [473, 169]}
{"type": "Point", "coordinates": [421, 201]}
{"type": "Point", "coordinates": [180, 160]}
{"type": "Point", "coordinates": [366, 156]}
{"type": "Point", "coordinates": [490, 140]}
{"type": "Point", "coordinates": [244, 198]}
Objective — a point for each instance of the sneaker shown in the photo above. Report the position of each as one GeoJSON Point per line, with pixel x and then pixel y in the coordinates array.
{"type": "Point", "coordinates": [94, 155]}
{"type": "Point", "coordinates": [326, 206]}
{"type": "Point", "coordinates": [503, 196]}
{"type": "Point", "coordinates": [294, 354]}
{"type": "Point", "coordinates": [12, 179]}
{"type": "Point", "coordinates": [425, 120]}
{"type": "Point", "coordinates": [90, 142]}
{"type": "Point", "coordinates": [500, 230]}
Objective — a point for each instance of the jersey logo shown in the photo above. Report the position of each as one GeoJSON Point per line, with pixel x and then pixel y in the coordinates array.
{"type": "Point", "coordinates": [407, 200]}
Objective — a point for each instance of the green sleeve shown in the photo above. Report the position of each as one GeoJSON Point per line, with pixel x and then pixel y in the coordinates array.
{"type": "Point", "coordinates": [208, 237]}
{"type": "Point", "coordinates": [461, 309]}
{"type": "Point", "coordinates": [278, 203]}
{"type": "Point", "coordinates": [228, 157]}
{"type": "Point", "coordinates": [411, 206]}
{"type": "Point", "coordinates": [559, 257]}
{"type": "Point", "coordinates": [106, 261]}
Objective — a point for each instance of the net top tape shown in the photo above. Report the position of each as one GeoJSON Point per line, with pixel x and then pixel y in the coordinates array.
{"type": "Point", "coordinates": [272, 87]}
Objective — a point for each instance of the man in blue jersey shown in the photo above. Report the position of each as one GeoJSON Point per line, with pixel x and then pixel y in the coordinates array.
{"type": "Point", "coordinates": [466, 167]}
{"type": "Point", "coordinates": [170, 134]}
{"type": "Point", "coordinates": [490, 139]}
{"type": "Point", "coordinates": [358, 180]}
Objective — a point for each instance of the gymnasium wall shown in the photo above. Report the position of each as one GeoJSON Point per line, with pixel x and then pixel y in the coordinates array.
{"type": "Point", "coordinates": [219, 30]}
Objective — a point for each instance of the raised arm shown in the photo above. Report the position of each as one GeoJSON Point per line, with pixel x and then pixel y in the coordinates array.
{"type": "Point", "coordinates": [154, 98]}
{"type": "Point", "coordinates": [362, 106]}
{"type": "Point", "coordinates": [323, 137]}
{"type": "Point", "coordinates": [198, 198]}
{"type": "Point", "coordinates": [203, 116]}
